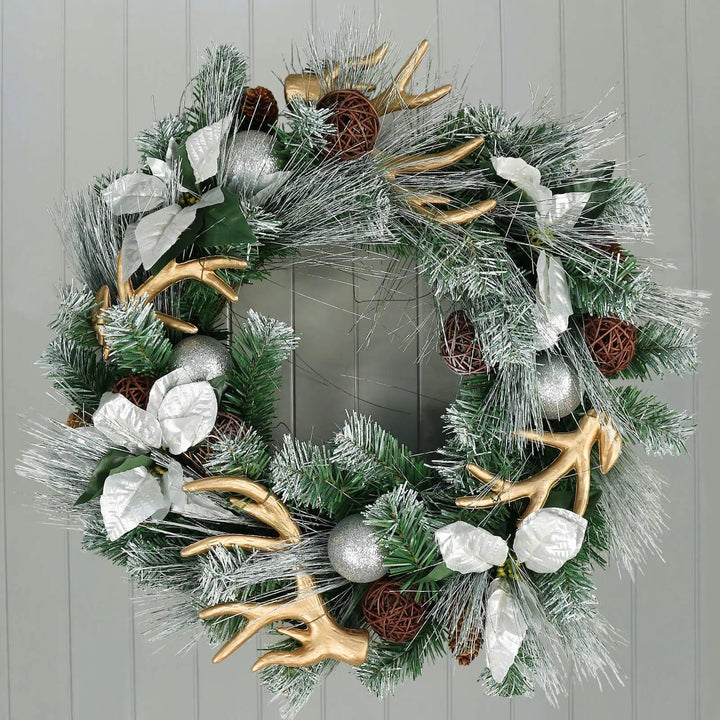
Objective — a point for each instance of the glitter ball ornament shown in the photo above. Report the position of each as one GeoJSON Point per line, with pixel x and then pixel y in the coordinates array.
{"type": "Point", "coordinates": [612, 342]}
{"type": "Point", "coordinates": [251, 162]}
{"type": "Point", "coordinates": [203, 357]}
{"type": "Point", "coordinates": [459, 347]}
{"type": "Point", "coordinates": [136, 388]}
{"type": "Point", "coordinates": [558, 386]}
{"type": "Point", "coordinates": [356, 122]}
{"type": "Point", "coordinates": [258, 109]}
{"type": "Point", "coordinates": [354, 551]}
{"type": "Point", "coordinates": [394, 616]}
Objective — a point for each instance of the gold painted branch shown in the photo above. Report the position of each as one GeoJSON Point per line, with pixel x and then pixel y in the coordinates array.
{"type": "Point", "coordinates": [575, 448]}
{"type": "Point", "coordinates": [322, 638]}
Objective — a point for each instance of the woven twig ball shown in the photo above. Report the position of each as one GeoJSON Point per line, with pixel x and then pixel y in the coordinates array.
{"type": "Point", "coordinates": [465, 649]}
{"type": "Point", "coordinates": [612, 342]}
{"type": "Point", "coordinates": [258, 109]}
{"type": "Point", "coordinates": [136, 388]}
{"type": "Point", "coordinates": [356, 122]}
{"type": "Point", "coordinates": [227, 425]}
{"type": "Point", "coordinates": [392, 615]}
{"type": "Point", "coordinates": [459, 347]}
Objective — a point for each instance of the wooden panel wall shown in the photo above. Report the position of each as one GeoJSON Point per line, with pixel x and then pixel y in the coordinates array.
{"type": "Point", "coordinates": [81, 77]}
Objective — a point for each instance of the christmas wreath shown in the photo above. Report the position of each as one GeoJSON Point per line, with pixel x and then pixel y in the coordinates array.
{"type": "Point", "coordinates": [360, 551]}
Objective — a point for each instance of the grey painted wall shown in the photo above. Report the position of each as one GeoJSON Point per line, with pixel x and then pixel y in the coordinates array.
{"type": "Point", "coordinates": [81, 77]}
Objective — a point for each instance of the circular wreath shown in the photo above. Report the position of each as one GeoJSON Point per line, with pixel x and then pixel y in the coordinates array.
{"type": "Point", "coordinates": [167, 459]}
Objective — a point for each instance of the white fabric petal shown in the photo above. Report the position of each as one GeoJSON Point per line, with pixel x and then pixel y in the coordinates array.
{"type": "Point", "coordinates": [135, 193]}
{"type": "Point", "coordinates": [157, 232]}
{"type": "Point", "coordinates": [522, 175]}
{"type": "Point", "coordinates": [127, 425]}
{"type": "Point", "coordinates": [548, 538]}
{"type": "Point", "coordinates": [185, 410]}
{"type": "Point", "coordinates": [160, 169]}
{"type": "Point", "coordinates": [131, 260]}
{"type": "Point", "coordinates": [173, 150]}
{"type": "Point", "coordinates": [203, 148]}
{"type": "Point", "coordinates": [505, 629]}
{"type": "Point", "coordinates": [129, 498]}
{"type": "Point", "coordinates": [553, 300]}
{"type": "Point", "coordinates": [562, 211]}
{"type": "Point", "coordinates": [469, 549]}
{"type": "Point", "coordinates": [190, 504]}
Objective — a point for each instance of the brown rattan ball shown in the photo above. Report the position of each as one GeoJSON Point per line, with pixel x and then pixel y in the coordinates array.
{"type": "Point", "coordinates": [465, 650]}
{"type": "Point", "coordinates": [78, 419]}
{"type": "Point", "coordinates": [356, 122]}
{"type": "Point", "coordinates": [258, 109]}
{"type": "Point", "coordinates": [612, 342]}
{"type": "Point", "coordinates": [136, 388]}
{"type": "Point", "coordinates": [459, 347]}
{"type": "Point", "coordinates": [392, 615]}
{"type": "Point", "coordinates": [227, 425]}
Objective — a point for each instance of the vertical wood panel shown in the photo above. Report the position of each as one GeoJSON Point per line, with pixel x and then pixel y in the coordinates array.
{"type": "Point", "coordinates": [593, 65]}
{"type": "Point", "coordinates": [704, 109]}
{"type": "Point", "coordinates": [157, 71]}
{"type": "Point", "coordinates": [470, 41]}
{"type": "Point", "coordinates": [37, 592]}
{"type": "Point", "coordinates": [220, 686]}
{"type": "Point", "coordinates": [531, 65]}
{"type": "Point", "coordinates": [95, 138]}
{"type": "Point", "coordinates": [657, 110]}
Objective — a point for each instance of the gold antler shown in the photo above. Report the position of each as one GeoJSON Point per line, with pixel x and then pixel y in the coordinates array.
{"type": "Point", "coordinates": [396, 98]}
{"type": "Point", "coordinates": [422, 204]}
{"type": "Point", "coordinates": [307, 86]}
{"type": "Point", "coordinates": [322, 637]}
{"type": "Point", "coordinates": [574, 449]}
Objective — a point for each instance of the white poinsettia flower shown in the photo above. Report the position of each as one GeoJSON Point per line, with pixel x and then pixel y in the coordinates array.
{"type": "Point", "coordinates": [548, 538]}
{"type": "Point", "coordinates": [147, 240]}
{"type": "Point", "coordinates": [181, 413]}
{"type": "Point", "coordinates": [505, 629]}
{"type": "Point", "coordinates": [552, 301]}
{"type": "Point", "coordinates": [469, 549]}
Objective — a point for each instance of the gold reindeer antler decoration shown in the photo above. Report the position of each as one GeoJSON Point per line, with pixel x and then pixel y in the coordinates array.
{"type": "Point", "coordinates": [202, 270]}
{"type": "Point", "coordinates": [322, 638]}
{"type": "Point", "coordinates": [574, 455]}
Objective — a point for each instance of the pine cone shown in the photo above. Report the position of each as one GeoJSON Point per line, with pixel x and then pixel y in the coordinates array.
{"type": "Point", "coordinates": [469, 649]}
{"type": "Point", "coordinates": [258, 110]}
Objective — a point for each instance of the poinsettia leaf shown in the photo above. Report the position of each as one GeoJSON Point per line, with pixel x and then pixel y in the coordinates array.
{"type": "Point", "coordinates": [107, 463]}
{"type": "Point", "coordinates": [203, 148]}
{"type": "Point", "coordinates": [135, 193]}
{"type": "Point", "coordinates": [224, 225]}
{"type": "Point", "coordinates": [439, 572]}
{"type": "Point", "coordinates": [186, 240]}
{"type": "Point", "coordinates": [129, 498]}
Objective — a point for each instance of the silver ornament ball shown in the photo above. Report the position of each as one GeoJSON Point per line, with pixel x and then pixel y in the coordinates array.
{"type": "Point", "coordinates": [354, 551]}
{"type": "Point", "coordinates": [203, 357]}
{"type": "Point", "coordinates": [558, 386]}
{"type": "Point", "coordinates": [251, 163]}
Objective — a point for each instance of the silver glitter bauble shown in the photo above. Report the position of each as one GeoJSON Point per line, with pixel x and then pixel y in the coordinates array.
{"type": "Point", "coordinates": [558, 386]}
{"type": "Point", "coordinates": [251, 164]}
{"type": "Point", "coordinates": [354, 551]}
{"type": "Point", "coordinates": [203, 357]}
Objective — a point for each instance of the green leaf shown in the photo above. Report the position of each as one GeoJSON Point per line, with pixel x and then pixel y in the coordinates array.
{"type": "Point", "coordinates": [560, 497]}
{"type": "Point", "coordinates": [109, 461]}
{"type": "Point", "coordinates": [439, 572]}
{"type": "Point", "coordinates": [133, 462]}
{"type": "Point", "coordinates": [188, 176]}
{"type": "Point", "coordinates": [224, 225]}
